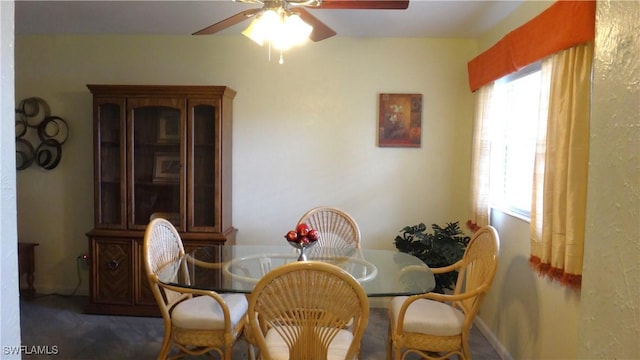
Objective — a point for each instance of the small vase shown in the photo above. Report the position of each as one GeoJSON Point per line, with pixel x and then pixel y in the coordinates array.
{"type": "Point", "coordinates": [302, 256]}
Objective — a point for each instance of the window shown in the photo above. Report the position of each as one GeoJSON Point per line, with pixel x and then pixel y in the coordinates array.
{"type": "Point", "coordinates": [516, 112]}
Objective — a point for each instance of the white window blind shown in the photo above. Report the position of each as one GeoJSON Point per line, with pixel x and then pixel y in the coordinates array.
{"type": "Point", "coordinates": [516, 105]}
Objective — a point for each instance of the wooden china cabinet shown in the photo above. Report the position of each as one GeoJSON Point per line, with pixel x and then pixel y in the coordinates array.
{"type": "Point", "coordinates": [158, 151]}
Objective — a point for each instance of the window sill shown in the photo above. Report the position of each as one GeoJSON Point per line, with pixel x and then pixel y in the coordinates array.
{"type": "Point", "coordinates": [512, 213]}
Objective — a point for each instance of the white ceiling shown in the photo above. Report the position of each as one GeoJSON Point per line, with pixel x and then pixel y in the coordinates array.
{"type": "Point", "coordinates": [423, 18]}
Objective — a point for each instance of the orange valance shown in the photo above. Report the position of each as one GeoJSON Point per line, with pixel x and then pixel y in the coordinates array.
{"type": "Point", "coordinates": [563, 25]}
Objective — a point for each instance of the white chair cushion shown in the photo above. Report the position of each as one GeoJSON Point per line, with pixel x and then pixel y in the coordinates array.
{"type": "Point", "coordinates": [429, 317]}
{"type": "Point", "coordinates": [204, 313]}
{"type": "Point", "coordinates": [338, 348]}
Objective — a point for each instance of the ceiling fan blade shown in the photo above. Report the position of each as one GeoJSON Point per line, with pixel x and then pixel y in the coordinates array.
{"type": "Point", "coordinates": [228, 22]}
{"type": "Point", "coordinates": [320, 30]}
{"type": "Point", "coordinates": [365, 4]}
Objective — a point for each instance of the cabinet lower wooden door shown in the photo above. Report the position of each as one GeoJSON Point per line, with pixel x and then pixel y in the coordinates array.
{"type": "Point", "coordinates": [113, 262]}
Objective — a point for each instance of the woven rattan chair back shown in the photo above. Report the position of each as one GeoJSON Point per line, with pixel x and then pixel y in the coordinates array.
{"type": "Point", "coordinates": [478, 268]}
{"type": "Point", "coordinates": [162, 249]}
{"type": "Point", "coordinates": [310, 305]}
{"type": "Point", "coordinates": [162, 246]}
{"type": "Point", "coordinates": [337, 228]}
{"type": "Point", "coordinates": [476, 271]}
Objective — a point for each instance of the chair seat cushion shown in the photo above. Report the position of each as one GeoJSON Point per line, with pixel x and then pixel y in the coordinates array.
{"type": "Point", "coordinates": [204, 313]}
{"type": "Point", "coordinates": [429, 317]}
{"type": "Point", "coordinates": [279, 350]}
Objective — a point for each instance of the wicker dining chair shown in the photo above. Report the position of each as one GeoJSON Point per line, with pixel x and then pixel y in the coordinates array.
{"type": "Point", "coordinates": [337, 228]}
{"type": "Point", "coordinates": [308, 310]}
{"type": "Point", "coordinates": [195, 321]}
{"type": "Point", "coordinates": [436, 326]}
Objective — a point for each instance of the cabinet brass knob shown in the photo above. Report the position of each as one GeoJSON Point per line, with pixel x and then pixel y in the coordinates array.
{"type": "Point", "coordinates": [112, 265]}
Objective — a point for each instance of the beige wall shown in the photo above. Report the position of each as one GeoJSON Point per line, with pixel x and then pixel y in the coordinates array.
{"type": "Point", "coordinates": [609, 324]}
{"type": "Point", "coordinates": [304, 133]}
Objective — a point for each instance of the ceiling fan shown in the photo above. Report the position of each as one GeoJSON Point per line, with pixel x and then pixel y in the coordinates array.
{"type": "Point", "coordinates": [320, 30]}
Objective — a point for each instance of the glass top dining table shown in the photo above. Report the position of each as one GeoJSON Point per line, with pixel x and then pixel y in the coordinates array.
{"type": "Point", "coordinates": [238, 268]}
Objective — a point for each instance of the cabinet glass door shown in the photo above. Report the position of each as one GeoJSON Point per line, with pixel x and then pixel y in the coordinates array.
{"type": "Point", "coordinates": [110, 166]}
{"type": "Point", "coordinates": [203, 154]}
{"type": "Point", "coordinates": [156, 176]}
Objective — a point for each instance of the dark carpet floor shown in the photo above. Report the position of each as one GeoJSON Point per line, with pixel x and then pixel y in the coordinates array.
{"type": "Point", "coordinates": [57, 325]}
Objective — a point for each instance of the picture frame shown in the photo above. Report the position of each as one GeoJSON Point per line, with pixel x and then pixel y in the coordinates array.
{"type": "Point", "coordinates": [168, 127]}
{"type": "Point", "coordinates": [400, 120]}
{"type": "Point", "coordinates": [166, 167]}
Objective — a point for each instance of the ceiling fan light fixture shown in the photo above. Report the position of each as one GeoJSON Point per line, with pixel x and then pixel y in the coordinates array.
{"type": "Point", "coordinates": [280, 29]}
{"type": "Point", "coordinates": [293, 31]}
{"type": "Point", "coordinates": [264, 27]}
{"type": "Point", "coordinates": [254, 34]}
{"type": "Point", "coordinates": [299, 27]}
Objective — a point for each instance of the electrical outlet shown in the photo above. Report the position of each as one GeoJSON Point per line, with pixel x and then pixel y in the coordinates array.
{"type": "Point", "coordinates": [84, 259]}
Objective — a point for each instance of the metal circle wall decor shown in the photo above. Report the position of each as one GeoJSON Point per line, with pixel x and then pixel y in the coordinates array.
{"type": "Point", "coordinates": [35, 110]}
{"type": "Point", "coordinates": [53, 131]}
{"type": "Point", "coordinates": [53, 128]}
{"type": "Point", "coordinates": [24, 154]}
{"type": "Point", "coordinates": [48, 154]}
{"type": "Point", "coordinates": [21, 124]}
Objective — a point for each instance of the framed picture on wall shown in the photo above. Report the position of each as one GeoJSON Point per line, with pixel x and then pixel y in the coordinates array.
{"type": "Point", "coordinates": [166, 167]}
{"type": "Point", "coordinates": [400, 120]}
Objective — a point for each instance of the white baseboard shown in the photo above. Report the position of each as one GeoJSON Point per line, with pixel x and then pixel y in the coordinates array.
{"type": "Point", "coordinates": [493, 340]}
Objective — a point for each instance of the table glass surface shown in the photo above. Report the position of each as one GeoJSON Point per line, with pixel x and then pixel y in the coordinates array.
{"type": "Point", "coordinates": [237, 268]}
